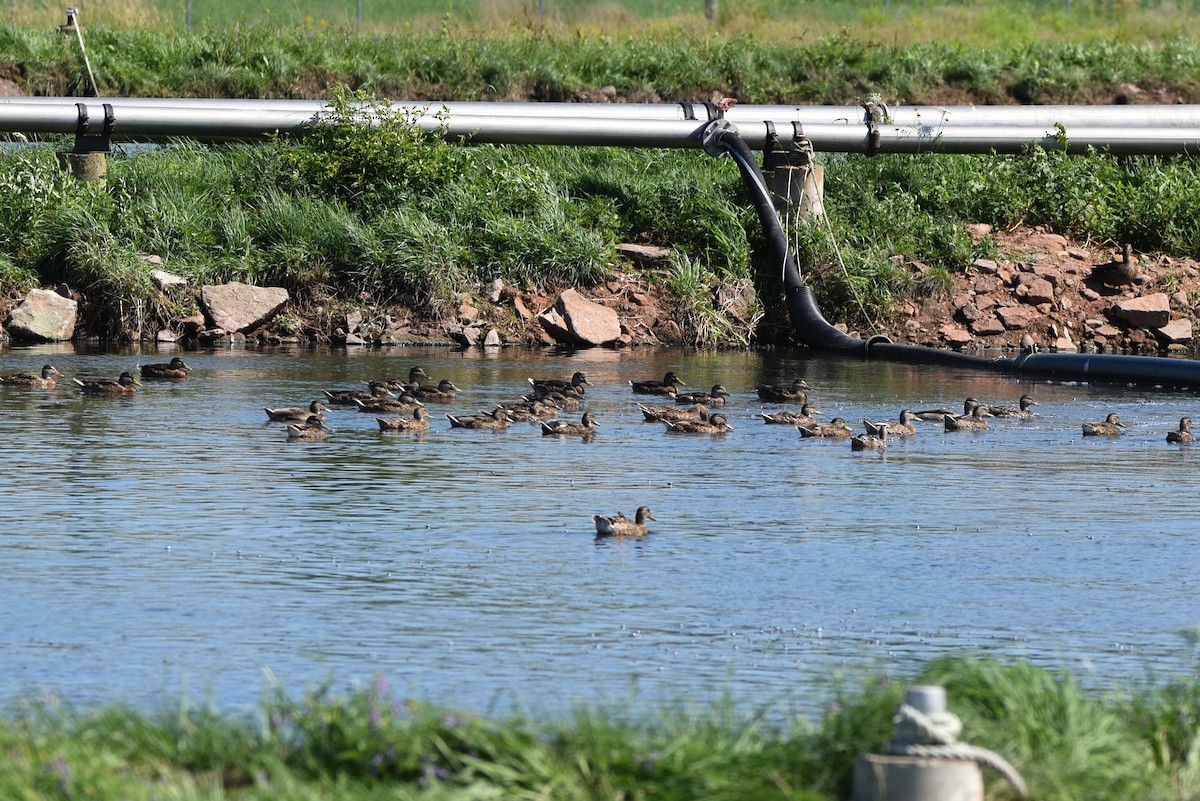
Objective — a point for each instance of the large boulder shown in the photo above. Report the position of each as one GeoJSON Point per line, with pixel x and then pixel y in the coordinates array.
{"type": "Point", "coordinates": [240, 307]}
{"type": "Point", "coordinates": [43, 316]}
{"type": "Point", "coordinates": [575, 320]}
{"type": "Point", "coordinates": [1148, 311]}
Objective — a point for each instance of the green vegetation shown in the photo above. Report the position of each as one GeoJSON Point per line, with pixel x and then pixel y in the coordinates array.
{"type": "Point", "coordinates": [1069, 744]}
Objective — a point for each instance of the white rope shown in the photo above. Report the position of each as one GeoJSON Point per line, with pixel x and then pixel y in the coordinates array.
{"type": "Point", "coordinates": [935, 736]}
{"type": "Point", "coordinates": [87, 63]}
{"type": "Point", "coordinates": [842, 263]}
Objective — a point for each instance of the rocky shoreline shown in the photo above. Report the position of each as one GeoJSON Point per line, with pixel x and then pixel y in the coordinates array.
{"type": "Point", "coordinates": [1044, 293]}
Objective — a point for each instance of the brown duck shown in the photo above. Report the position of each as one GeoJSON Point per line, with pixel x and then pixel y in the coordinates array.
{"type": "Point", "coordinates": [1184, 435]}
{"type": "Point", "coordinates": [1022, 411]}
{"type": "Point", "coordinates": [175, 370]}
{"type": "Point", "coordinates": [804, 417]}
{"type": "Point", "coordinates": [871, 442]}
{"type": "Point", "coordinates": [1110, 427]}
{"type": "Point", "coordinates": [660, 414]}
{"type": "Point", "coordinates": [405, 404]}
{"type": "Point", "coordinates": [668, 386]}
{"type": "Point", "coordinates": [530, 410]}
{"type": "Point", "coordinates": [567, 428]}
{"type": "Point", "coordinates": [418, 422]}
{"type": "Point", "coordinates": [547, 385]}
{"type": "Point", "coordinates": [30, 381]}
{"type": "Point", "coordinates": [834, 429]}
{"type": "Point", "coordinates": [903, 428]}
{"type": "Point", "coordinates": [1119, 272]}
{"type": "Point", "coordinates": [311, 429]}
{"type": "Point", "coordinates": [780, 393]}
{"type": "Point", "coordinates": [349, 397]}
{"type": "Point", "coordinates": [620, 526]}
{"type": "Point", "coordinates": [495, 419]}
{"type": "Point", "coordinates": [714, 397]}
{"type": "Point", "coordinates": [125, 385]}
{"type": "Point", "coordinates": [967, 422]}
{"type": "Point", "coordinates": [444, 391]}
{"type": "Point", "coordinates": [715, 424]}
{"type": "Point", "coordinates": [297, 413]}
{"type": "Point", "coordinates": [398, 385]}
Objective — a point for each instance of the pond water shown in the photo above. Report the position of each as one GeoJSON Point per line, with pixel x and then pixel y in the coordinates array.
{"type": "Point", "coordinates": [175, 544]}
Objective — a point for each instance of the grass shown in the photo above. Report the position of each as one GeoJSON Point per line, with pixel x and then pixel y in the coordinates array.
{"type": "Point", "coordinates": [1068, 743]}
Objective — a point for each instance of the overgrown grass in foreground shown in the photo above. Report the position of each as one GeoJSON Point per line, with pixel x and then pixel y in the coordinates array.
{"type": "Point", "coordinates": [1069, 745]}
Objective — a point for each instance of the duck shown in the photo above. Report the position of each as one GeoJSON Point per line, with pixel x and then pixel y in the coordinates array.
{"type": "Point", "coordinates": [715, 424]}
{"type": "Point", "coordinates": [418, 422]}
{"type": "Point", "coordinates": [967, 422]}
{"type": "Point", "coordinates": [660, 414]}
{"type": "Point", "coordinates": [1118, 272]}
{"type": "Point", "coordinates": [312, 428]}
{"type": "Point", "coordinates": [175, 370]}
{"type": "Point", "coordinates": [405, 404]}
{"type": "Point", "coordinates": [530, 410]}
{"type": "Point", "coordinates": [1184, 435]}
{"type": "Point", "coordinates": [297, 413]}
{"type": "Point", "coordinates": [805, 417]}
{"type": "Point", "coordinates": [126, 384]}
{"type": "Point", "coordinates": [668, 386]}
{"type": "Point", "coordinates": [349, 397]}
{"type": "Point", "coordinates": [619, 525]}
{"type": "Point", "coordinates": [1110, 427]}
{"type": "Point", "coordinates": [903, 428]}
{"type": "Point", "coordinates": [834, 429]}
{"type": "Point", "coordinates": [43, 381]}
{"type": "Point", "coordinates": [565, 401]}
{"type": "Point", "coordinates": [444, 391]}
{"type": "Point", "coordinates": [571, 390]}
{"type": "Point", "coordinates": [495, 419]}
{"type": "Point", "coordinates": [779, 393]}
{"type": "Point", "coordinates": [398, 385]}
{"type": "Point", "coordinates": [558, 384]}
{"type": "Point", "coordinates": [871, 442]}
{"type": "Point", "coordinates": [1021, 412]}
{"type": "Point", "coordinates": [934, 415]}
{"type": "Point", "coordinates": [714, 397]}
{"type": "Point", "coordinates": [584, 428]}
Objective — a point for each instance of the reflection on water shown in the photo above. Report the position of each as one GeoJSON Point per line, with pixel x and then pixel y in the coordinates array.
{"type": "Point", "coordinates": [176, 542]}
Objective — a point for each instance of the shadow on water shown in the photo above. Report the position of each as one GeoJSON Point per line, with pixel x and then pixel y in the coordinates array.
{"type": "Point", "coordinates": [175, 539]}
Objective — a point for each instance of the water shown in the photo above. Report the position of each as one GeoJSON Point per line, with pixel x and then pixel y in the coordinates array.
{"type": "Point", "coordinates": [175, 544]}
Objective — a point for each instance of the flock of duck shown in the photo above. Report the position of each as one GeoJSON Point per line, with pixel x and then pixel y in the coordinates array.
{"type": "Point", "coordinates": [400, 405]}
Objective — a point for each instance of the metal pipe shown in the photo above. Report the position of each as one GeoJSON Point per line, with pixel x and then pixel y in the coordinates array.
{"type": "Point", "coordinates": [139, 121]}
{"type": "Point", "coordinates": [1147, 116]}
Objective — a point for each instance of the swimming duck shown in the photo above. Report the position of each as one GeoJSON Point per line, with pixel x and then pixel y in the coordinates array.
{"type": "Point", "coordinates": [1184, 435]}
{"type": "Point", "coordinates": [444, 391]}
{"type": "Point", "coordinates": [620, 526]}
{"type": "Point", "coordinates": [1110, 427]}
{"type": "Point", "coordinates": [125, 385]}
{"type": "Point", "coordinates": [660, 414]}
{"type": "Point", "coordinates": [715, 424]}
{"type": "Point", "coordinates": [405, 404]}
{"type": "Point", "coordinates": [558, 384]}
{"type": "Point", "coordinates": [312, 428]}
{"type": "Point", "coordinates": [496, 419]}
{"type": "Point", "coordinates": [903, 428]}
{"type": "Point", "coordinates": [530, 410]}
{"type": "Point", "coordinates": [967, 422]}
{"type": "Point", "coordinates": [934, 415]}
{"type": "Point", "coordinates": [779, 393]}
{"type": "Point", "coordinates": [804, 417]}
{"type": "Point", "coordinates": [668, 386]}
{"type": "Point", "coordinates": [43, 381]}
{"type": "Point", "coordinates": [585, 428]}
{"type": "Point", "coordinates": [418, 422]}
{"type": "Point", "coordinates": [1119, 272]}
{"type": "Point", "coordinates": [415, 374]}
{"type": "Point", "coordinates": [834, 429]}
{"type": "Point", "coordinates": [176, 370]}
{"type": "Point", "coordinates": [566, 401]}
{"type": "Point", "coordinates": [1008, 411]}
{"type": "Point", "coordinates": [298, 413]}
{"type": "Point", "coordinates": [714, 397]}
{"type": "Point", "coordinates": [871, 442]}
{"type": "Point", "coordinates": [349, 397]}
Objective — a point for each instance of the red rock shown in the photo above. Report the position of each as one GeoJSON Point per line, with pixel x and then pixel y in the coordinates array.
{"type": "Point", "coordinates": [573, 319]}
{"type": "Point", "coordinates": [986, 327]}
{"type": "Point", "coordinates": [239, 307]}
{"type": "Point", "coordinates": [1178, 331]}
{"type": "Point", "coordinates": [1148, 311]}
{"type": "Point", "coordinates": [1034, 290]}
{"type": "Point", "coordinates": [954, 335]}
{"type": "Point", "coordinates": [519, 306]}
{"type": "Point", "coordinates": [1015, 318]}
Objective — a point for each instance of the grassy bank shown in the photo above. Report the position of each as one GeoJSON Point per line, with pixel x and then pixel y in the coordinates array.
{"type": "Point", "coordinates": [1067, 743]}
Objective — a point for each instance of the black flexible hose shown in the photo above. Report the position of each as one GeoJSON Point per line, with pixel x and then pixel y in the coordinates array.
{"type": "Point", "coordinates": [815, 331]}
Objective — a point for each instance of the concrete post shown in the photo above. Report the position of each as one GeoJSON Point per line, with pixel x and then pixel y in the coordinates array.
{"type": "Point", "coordinates": [898, 777]}
{"type": "Point", "coordinates": [800, 190]}
{"type": "Point", "coordinates": [90, 167]}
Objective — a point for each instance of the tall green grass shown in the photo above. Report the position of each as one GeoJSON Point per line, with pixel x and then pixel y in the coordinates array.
{"type": "Point", "coordinates": [1067, 742]}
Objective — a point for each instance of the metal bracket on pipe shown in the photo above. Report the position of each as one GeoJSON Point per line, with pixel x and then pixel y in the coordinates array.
{"type": "Point", "coordinates": [85, 140]}
{"type": "Point", "coordinates": [708, 139]}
